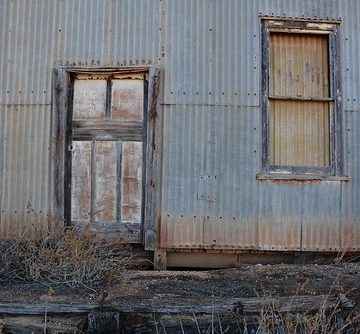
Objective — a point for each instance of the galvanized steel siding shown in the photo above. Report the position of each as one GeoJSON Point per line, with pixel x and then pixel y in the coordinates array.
{"type": "Point", "coordinates": [209, 53]}
{"type": "Point", "coordinates": [212, 56]}
{"type": "Point", "coordinates": [204, 169]}
{"type": "Point", "coordinates": [25, 174]}
{"type": "Point", "coordinates": [37, 36]}
{"type": "Point", "coordinates": [350, 203]}
{"type": "Point", "coordinates": [207, 44]}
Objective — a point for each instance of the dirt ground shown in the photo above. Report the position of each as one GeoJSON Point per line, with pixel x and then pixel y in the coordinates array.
{"type": "Point", "coordinates": [147, 301]}
{"type": "Point", "coordinates": [199, 286]}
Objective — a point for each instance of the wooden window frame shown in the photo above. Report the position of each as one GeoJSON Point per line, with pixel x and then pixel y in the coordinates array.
{"type": "Point", "coordinates": [61, 138]}
{"type": "Point", "coordinates": [335, 170]}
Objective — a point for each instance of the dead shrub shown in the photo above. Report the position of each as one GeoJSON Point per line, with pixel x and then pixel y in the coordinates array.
{"type": "Point", "coordinates": [63, 257]}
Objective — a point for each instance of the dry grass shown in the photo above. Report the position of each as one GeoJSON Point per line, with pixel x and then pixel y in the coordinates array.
{"type": "Point", "coordinates": [63, 257]}
{"type": "Point", "coordinates": [332, 320]}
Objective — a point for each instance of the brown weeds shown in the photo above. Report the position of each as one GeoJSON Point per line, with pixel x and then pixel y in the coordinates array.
{"type": "Point", "coordinates": [63, 257]}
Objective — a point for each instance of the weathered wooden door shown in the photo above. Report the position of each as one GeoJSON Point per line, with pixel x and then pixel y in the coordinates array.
{"type": "Point", "coordinates": [106, 191]}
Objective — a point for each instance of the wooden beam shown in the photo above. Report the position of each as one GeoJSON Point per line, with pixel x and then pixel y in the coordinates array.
{"type": "Point", "coordinates": [160, 261]}
{"type": "Point", "coordinates": [172, 305]}
{"type": "Point", "coordinates": [153, 163]}
{"type": "Point", "coordinates": [58, 138]}
{"type": "Point", "coordinates": [130, 232]}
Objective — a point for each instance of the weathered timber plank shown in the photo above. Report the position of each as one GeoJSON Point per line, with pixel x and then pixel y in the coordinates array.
{"type": "Point", "coordinates": [108, 130]}
{"type": "Point", "coordinates": [153, 162]}
{"type": "Point", "coordinates": [131, 182]}
{"type": "Point", "coordinates": [160, 259]}
{"type": "Point", "coordinates": [105, 181]}
{"type": "Point", "coordinates": [130, 232]}
{"type": "Point", "coordinates": [184, 305]}
{"type": "Point", "coordinates": [81, 181]}
{"type": "Point", "coordinates": [58, 138]}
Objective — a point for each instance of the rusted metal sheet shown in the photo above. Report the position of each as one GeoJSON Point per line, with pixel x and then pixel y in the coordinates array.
{"type": "Point", "coordinates": [25, 169]}
{"type": "Point", "coordinates": [209, 56]}
{"type": "Point", "coordinates": [127, 100]}
{"type": "Point", "coordinates": [205, 179]}
{"type": "Point", "coordinates": [280, 216]}
{"type": "Point", "coordinates": [81, 180]}
{"type": "Point", "coordinates": [350, 191]}
{"type": "Point", "coordinates": [105, 192]}
{"type": "Point", "coordinates": [230, 232]}
{"type": "Point", "coordinates": [350, 194]}
{"type": "Point", "coordinates": [89, 99]}
{"type": "Point", "coordinates": [131, 181]}
{"type": "Point", "coordinates": [181, 231]}
{"type": "Point", "coordinates": [321, 228]}
{"type": "Point", "coordinates": [299, 133]}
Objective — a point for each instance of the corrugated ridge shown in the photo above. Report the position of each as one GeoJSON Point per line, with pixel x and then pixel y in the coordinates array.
{"type": "Point", "coordinates": [313, 9]}
{"type": "Point", "coordinates": [202, 63]}
{"type": "Point", "coordinates": [211, 68]}
{"type": "Point", "coordinates": [205, 173]}
{"type": "Point", "coordinates": [350, 42]}
{"type": "Point", "coordinates": [38, 36]}
{"type": "Point", "coordinates": [26, 171]}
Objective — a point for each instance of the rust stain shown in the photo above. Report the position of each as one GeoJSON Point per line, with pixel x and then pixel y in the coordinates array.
{"type": "Point", "coordinates": [231, 232]}
{"type": "Point", "coordinates": [350, 234]}
{"type": "Point", "coordinates": [290, 182]}
{"type": "Point", "coordinates": [89, 99]}
{"type": "Point", "coordinates": [127, 100]}
{"type": "Point", "coordinates": [280, 233]}
{"type": "Point", "coordinates": [181, 231]}
{"type": "Point", "coordinates": [321, 234]}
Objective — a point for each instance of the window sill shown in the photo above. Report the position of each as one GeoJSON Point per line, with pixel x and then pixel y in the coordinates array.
{"type": "Point", "coordinates": [304, 177]}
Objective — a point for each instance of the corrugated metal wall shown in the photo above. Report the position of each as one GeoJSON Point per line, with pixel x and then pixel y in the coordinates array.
{"type": "Point", "coordinates": [350, 195]}
{"type": "Point", "coordinates": [209, 53]}
{"type": "Point", "coordinates": [37, 36]}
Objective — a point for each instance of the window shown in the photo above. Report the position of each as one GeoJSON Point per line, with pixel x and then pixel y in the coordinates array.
{"type": "Point", "coordinates": [301, 100]}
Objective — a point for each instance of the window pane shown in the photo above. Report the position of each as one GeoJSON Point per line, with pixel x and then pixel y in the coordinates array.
{"type": "Point", "coordinates": [299, 133]}
{"type": "Point", "coordinates": [89, 99]}
{"type": "Point", "coordinates": [127, 100]}
{"type": "Point", "coordinates": [299, 65]}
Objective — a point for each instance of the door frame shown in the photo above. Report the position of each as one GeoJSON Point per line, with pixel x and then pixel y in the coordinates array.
{"type": "Point", "coordinates": [61, 135]}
